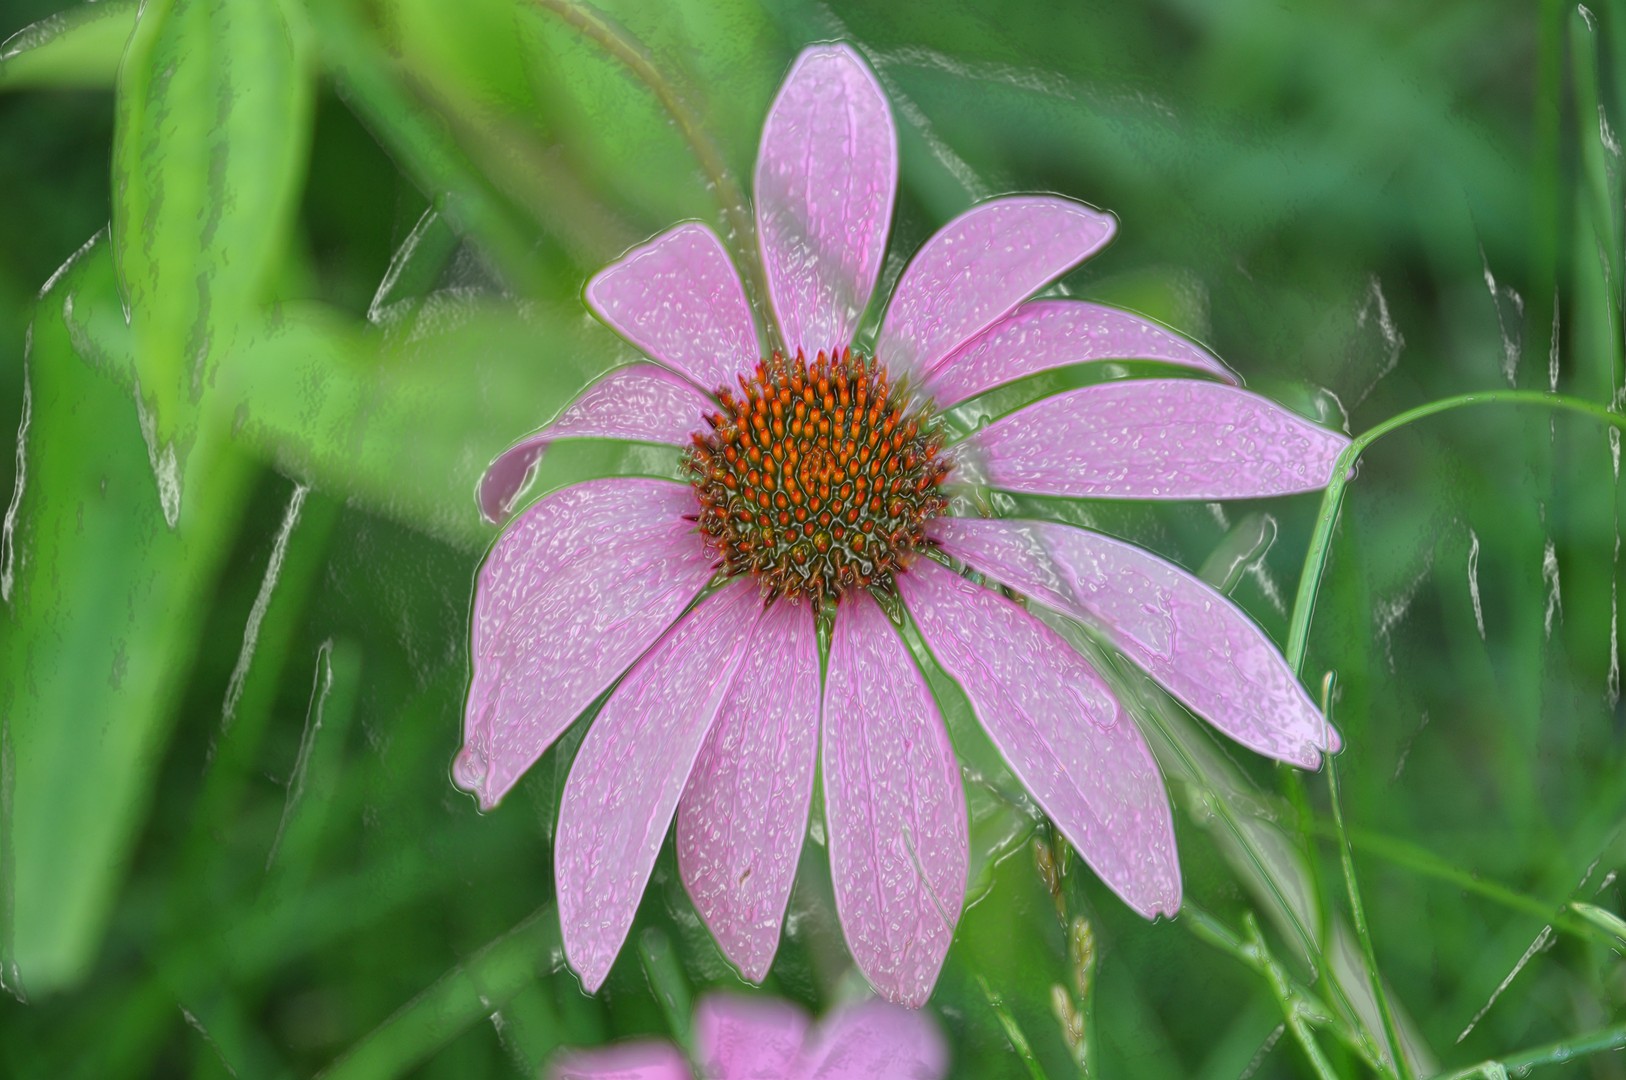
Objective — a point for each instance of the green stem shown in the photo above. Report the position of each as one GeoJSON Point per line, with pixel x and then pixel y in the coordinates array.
{"type": "Point", "coordinates": [1298, 633]}
{"type": "Point", "coordinates": [632, 55]}
{"type": "Point", "coordinates": [1299, 1006]}
{"type": "Point", "coordinates": [1391, 1031]}
{"type": "Point", "coordinates": [1562, 1052]}
{"type": "Point", "coordinates": [1013, 1031]}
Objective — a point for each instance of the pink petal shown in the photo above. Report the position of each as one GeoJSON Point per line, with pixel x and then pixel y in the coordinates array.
{"type": "Point", "coordinates": [1186, 634]}
{"type": "Point", "coordinates": [826, 176]}
{"type": "Point", "coordinates": [1059, 727]}
{"type": "Point", "coordinates": [741, 1038]}
{"type": "Point", "coordinates": [642, 402]}
{"type": "Point", "coordinates": [630, 1061]}
{"type": "Point", "coordinates": [630, 770]}
{"type": "Point", "coordinates": [978, 267]}
{"type": "Point", "coordinates": [874, 1039]}
{"type": "Point", "coordinates": [1045, 334]}
{"type": "Point", "coordinates": [744, 814]}
{"type": "Point", "coordinates": [680, 301]}
{"type": "Point", "coordinates": [1157, 439]}
{"type": "Point", "coordinates": [577, 586]}
{"type": "Point", "coordinates": [894, 805]}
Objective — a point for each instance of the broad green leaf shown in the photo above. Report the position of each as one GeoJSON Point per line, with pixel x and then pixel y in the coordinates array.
{"type": "Point", "coordinates": [213, 119]}
{"type": "Point", "coordinates": [79, 47]}
{"type": "Point", "coordinates": [107, 608]}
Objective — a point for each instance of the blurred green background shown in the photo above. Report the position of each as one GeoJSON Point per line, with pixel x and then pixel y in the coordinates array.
{"type": "Point", "coordinates": [353, 234]}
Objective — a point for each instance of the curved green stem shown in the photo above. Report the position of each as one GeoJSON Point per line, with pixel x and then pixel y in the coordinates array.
{"type": "Point", "coordinates": [631, 54]}
{"type": "Point", "coordinates": [1315, 560]}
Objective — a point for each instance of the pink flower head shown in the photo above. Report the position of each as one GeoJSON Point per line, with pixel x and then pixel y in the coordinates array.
{"type": "Point", "coordinates": [821, 480]}
{"type": "Point", "coordinates": [738, 1038]}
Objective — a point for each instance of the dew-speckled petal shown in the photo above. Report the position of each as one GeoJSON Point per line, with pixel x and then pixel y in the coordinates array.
{"type": "Point", "coordinates": [646, 1060]}
{"type": "Point", "coordinates": [741, 1038]}
{"type": "Point", "coordinates": [980, 266]}
{"type": "Point", "coordinates": [679, 299]}
{"type": "Point", "coordinates": [873, 1039]}
{"type": "Point", "coordinates": [1045, 334]}
{"type": "Point", "coordinates": [826, 175]}
{"type": "Point", "coordinates": [893, 804]}
{"type": "Point", "coordinates": [1186, 634]}
{"type": "Point", "coordinates": [575, 588]}
{"type": "Point", "coordinates": [1157, 439]}
{"type": "Point", "coordinates": [642, 402]}
{"type": "Point", "coordinates": [1059, 727]}
{"type": "Point", "coordinates": [744, 813]}
{"type": "Point", "coordinates": [631, 769]}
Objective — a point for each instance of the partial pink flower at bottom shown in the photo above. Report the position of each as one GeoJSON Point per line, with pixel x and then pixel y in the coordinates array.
{"type": "Point", "coordinates": [824, 484]}
{"type": "Point", "coordinates": [739, 1038]}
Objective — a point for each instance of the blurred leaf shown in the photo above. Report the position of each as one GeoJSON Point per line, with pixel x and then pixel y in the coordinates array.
{"type": "Point", "coordinates": [214, 115]}
{"type": "Point", "coordinates": [101, 578]}
{"type": "Point", "coordinates": [79, 47]}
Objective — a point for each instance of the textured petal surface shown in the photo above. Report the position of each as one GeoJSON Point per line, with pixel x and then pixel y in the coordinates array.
{"type": "Point", "coordinates": [630, 770]}
{"type": "Point", "coordinates": [978, 267]}
{"type": "Point", "coordinates": [1045, 334]}
{"type": "Point", "coordinates": [826, 175]}
{"type": "Point", "coordinates": [741, 1038]}
{"type": "Point", "coordinates": [1157, 439]}
{"type": "Point", "coordinates": [631, 1061]}
{"type": "Point", "coordinates": [744, 814]}
{"type": "Point", "coordinates": [874, 1039]}
{"type": "Point", "coordinates": [640, 401]}
{"type": "Point", "coordinates": [679, 299]}
{"type": "Point", "coordinates": [1059, 727]}
{"type": "Point", "coordinates": [1186, 634]}
{"type": "Point", "coordinates": [894, 806]}
{"type": "Point", "coordinates": [575, 589]}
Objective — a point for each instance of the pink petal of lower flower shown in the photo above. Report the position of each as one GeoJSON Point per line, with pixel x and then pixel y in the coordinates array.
{"type": "Point", "coordinates": [978, 267]}
{"type": "Point", "coordinates": [642, 402]}
{"type": "Point", "coordinates": [1157, 439]}
{"type": "Point", "coordinates": [741, 1038]}
{"type": "Point", "coordinates": [894, 806]}
{"type": "Point", "coordinates": [1057, 724]}
{"type": "Point", "coordinates": [579, 584]}
{"type": "Point", "coordinates": [630, 770]}
{"type": "Point", "coordinates": [679, 299]}
{"type": "Point", "coordinates": [826, 175]}
{"type": "Point", "coordinates": [1185, 633]}
{"type": "Point", "coordinates": [630, 1061]}
{"type": "Point", "coordinates": [744, 814]}
{"type": "Point", "coordinates": [874, 1039]}
{"type": "Point", "coordinates": [1045, 334]}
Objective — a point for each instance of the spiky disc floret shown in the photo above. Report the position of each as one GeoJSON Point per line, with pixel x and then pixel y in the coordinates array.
{"type": "Point", "coordinates": [817, 477]}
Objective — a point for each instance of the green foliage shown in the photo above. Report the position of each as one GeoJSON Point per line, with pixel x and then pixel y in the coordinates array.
{"type": "Point", "coordinates": [335, 264]}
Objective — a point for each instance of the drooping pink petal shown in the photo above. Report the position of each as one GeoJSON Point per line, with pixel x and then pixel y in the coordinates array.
{"type": "Point", "coordinates": [894, 806]}
{"type": "Point", "coordinates": [578, 585]}
{"type": "Point", "coordinates": [874, 1039]}
{"type": "Point", "coordinates": [741, 1038]}
{"type": "Point", "coordinates": [1185, 633]}
{"type": "Point", "coordinates": [826, 175]}
{"type": "Point", "coordinates": [1059, 727]}
{"type": "Point", "coordinates": [648, 1060]}
{"type": "Point", "coordinates": [744, 813]}
{"type": "Point", "coordinates": [642, 402]}
{"type": "Point", "coordinates": [978, 267]}
{"type": "Point", "coordinates": [1045, 334]}
{"type": "Point", "coordinates": [631, 768]}
{"type": "Point", "coordinates": [1157, 439]}
{"type": "Point", "coordinates": [679, 299]}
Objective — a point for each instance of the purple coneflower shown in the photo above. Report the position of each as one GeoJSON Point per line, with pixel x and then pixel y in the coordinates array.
{"type": "Point", "coordinates": [823, 483]}
{"type": "Point", "coordinates": [740, 1038]}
